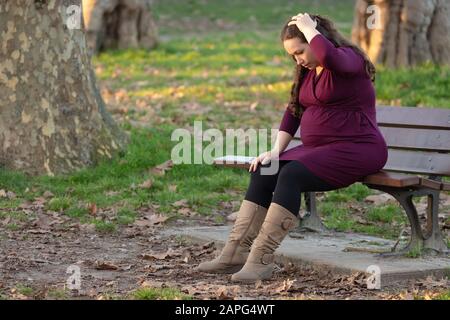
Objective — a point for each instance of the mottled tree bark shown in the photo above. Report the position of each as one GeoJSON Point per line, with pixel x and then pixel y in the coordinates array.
{"type": "Point", "coordinates": [119, 24]}
{"type": "Point", "coordinates": [410, 31]}
{"type": "Point", "coordinates": [52, 118]}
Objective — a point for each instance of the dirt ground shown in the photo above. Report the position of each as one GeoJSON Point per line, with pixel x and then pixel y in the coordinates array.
{"type": "Point", "coordinates": [113, 265]}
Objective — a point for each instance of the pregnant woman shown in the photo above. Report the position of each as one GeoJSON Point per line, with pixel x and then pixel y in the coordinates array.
{"type": "Point", "coordinates": [333, 102]}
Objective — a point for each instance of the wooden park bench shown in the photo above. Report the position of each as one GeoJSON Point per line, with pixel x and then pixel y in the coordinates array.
{"type": "Point", "coordinates": [418, 142]}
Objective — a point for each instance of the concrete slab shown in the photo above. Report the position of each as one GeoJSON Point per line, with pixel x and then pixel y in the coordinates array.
{"type": "Point", "coordinates": [328, 251]}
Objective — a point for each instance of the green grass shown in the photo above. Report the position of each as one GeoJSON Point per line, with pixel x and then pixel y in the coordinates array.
{"type": "Point", "coordinates": [59, 204]}
{"type": "Point", "coordinates": [126, 216]}
{"type": "Point", "coordinates": [76, 212]}
{"type": "Point", "coordinates": [224, 71]}
{"type": "Point", "coordinates": [423, 86]}
{"type": "Point", "coordinates": [26, 291]}
{"type": "Point", "coordinates": [159, 294]}
{"type": "Point", "coordinates": [104, 226]}
{"type": "Point", "coordinates": [58, 294]}
{"type": "Point", "coordinates": [245, 14]}
{"type": "Point", "coordinates": [123, 175]}
{"type": "Point", "coordinates": [415, 252]}
{"type": "Point", "coordinates": [386, 214]}
{"type": "Point", "coordinates": [385, 220]}
{"type": "Point", "coordinates": [443, 296]}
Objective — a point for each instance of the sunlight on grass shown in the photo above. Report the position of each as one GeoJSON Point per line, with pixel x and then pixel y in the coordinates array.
{"type": "Point", "coordinates": [238, 76]}
{"type": "Point", "coordinates": [160, 294]}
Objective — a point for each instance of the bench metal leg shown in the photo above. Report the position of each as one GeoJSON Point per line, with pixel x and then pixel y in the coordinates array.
{"type": "Point", "coordinates": [433, 238]}
{"type": "Point", "coordinates": [311, 220]}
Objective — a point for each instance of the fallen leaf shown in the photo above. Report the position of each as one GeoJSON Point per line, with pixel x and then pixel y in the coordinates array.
{"type": "Point", "coordinates": [152, 284]}
{"type": "Point", "coordinates": [48, 194]}
{"type": "Point", "coordinates": [285, 286]}
{"type": "Point", "coordinates": [127, 268]}
{"type": "Point", "coordinates": [147, 184]}
{"type": "Point", "coordinates": [361, 220]}
{"type": "Point", "coordinates": [151, 220]}
{"type": "Point", "coordinates": [162, 168]}
{"type": "Point", "coordinates": [379, 199]}
{"type": "Point", "coordinates": [430, 282]}
{"type": "Point", "coordinates": [39, 201]}
{"type": "Point", "coordinates": [105, 265]}
{"type": "Point", "coordinates": [187, 212]}
{"type": "Point", "coordinates": [10, 195]}
{"type": "Point", "coordinates": [226, 293]}
{"type": "Point", "coordinates": [6, 221]}
{"type": "Point", "coordinates": [7, 194]}
{"type": "Point", "coordinates": [170, 253]}
{"type": "Point", "coordinates": [38, 231]}
{"type": "Point", "coordinates": [92, 209]}
{"type": "Point", "coordinates": [42, 221]}
{"type": "Point", "coordinates": [180, 203]}
{"type": "Point", "coordinates": [253, 106]}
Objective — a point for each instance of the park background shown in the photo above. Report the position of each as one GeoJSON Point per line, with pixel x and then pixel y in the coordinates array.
{"type": "Point", "coordinates": [222, 63]}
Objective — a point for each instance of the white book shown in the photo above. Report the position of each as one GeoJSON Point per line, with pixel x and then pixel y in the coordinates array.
{"type": "Point", "coordinates": [234, 159]}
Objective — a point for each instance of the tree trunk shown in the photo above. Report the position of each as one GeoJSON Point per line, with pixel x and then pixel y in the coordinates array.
{"type": "Point", "coordinates": [52, 118]}
{"type": "Point", "coordinates": [410, 31]}
{"type": "Point", "coordinates": [112, 24]}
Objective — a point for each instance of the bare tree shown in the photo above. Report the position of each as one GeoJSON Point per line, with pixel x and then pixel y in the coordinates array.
{"type": "Point", "coordinates": [52, 118]}
{"type": "Point", "coordinates": [407, 33]}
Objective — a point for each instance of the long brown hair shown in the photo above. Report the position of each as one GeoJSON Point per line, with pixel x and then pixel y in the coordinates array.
{"type": "Point", "coordinates": [329, 31]}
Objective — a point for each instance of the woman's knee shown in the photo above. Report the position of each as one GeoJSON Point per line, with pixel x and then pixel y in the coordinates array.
{"type": "Point", "coordinates": [297, 176]}
{"type": "Point", "coordinates": [259, 175]}
{"type": "Point", "coordinates": [289, 174]}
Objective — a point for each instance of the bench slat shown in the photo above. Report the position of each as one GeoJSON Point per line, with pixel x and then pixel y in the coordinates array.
{"type": "Point", "coordinates": [391, 179]}
{"type": "Point", "coordinates": [432, 184]}
{"type": "Point", "coordinates": [386, 178]}
{"type": "Point", "coordinates": [413, 117]}
{"type": "Point", "coordinates": [419, 139]}
{"type": "Point", "coordinates": [420, 162]}
{"type": "Point", "coordinates": [407, 138]}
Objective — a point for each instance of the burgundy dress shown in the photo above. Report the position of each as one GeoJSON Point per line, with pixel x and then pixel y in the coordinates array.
{"type": "Point", "coordinates": [341, 141]}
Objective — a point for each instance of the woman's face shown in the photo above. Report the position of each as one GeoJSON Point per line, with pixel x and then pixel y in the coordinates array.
{"type": "Point", "coordinates": [301, 52]}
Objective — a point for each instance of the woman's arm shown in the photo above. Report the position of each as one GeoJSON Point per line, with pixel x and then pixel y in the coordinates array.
{"type": "Point", "coordinates": [289, 123]}
{"type": "Point", "coordinates": [341, 59]}
{"type": "Point", "coordinates": [282, 141]}
{"type": "Point", "coordinates": [288, 127]}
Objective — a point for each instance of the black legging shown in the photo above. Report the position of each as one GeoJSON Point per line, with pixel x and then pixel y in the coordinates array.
{"type": "Point", "coordinates": [286, 185]}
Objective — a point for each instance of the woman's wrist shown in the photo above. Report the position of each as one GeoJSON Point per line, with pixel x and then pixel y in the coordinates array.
{"type": "Point", "coordinates": [310, 33]}
{"type": "Point", "coordinates": [274, 152]}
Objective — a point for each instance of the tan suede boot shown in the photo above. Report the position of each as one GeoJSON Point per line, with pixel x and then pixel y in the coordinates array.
{"type": "Point", "coordinates": [259, 265]}
{"type": "Point", "coordinates": [245, 229]}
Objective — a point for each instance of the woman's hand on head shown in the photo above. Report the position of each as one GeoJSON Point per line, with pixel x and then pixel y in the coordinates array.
{"type": "Point", "coordinates": [306, 25]}
{"type": "Point", "coordinates": [303, 22]}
